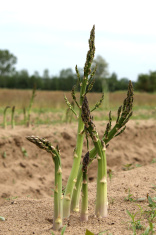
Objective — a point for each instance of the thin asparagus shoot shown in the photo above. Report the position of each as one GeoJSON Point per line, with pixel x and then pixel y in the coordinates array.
{"type": "Point", "coordinates": [46, 145]}
{"type": "Point", "coordinates": [84, 203]}
{"type": "Point", "coordinates": [4, 117]}
{"type": "Point", "coordinates": [30, 105]}
{"type": "Point", "coordinates": [101, 194]}
{"type": "Point", "coordinates": [12, 117]}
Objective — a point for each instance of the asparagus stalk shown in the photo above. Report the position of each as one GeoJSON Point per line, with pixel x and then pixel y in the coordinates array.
{"type": "Point", "coordinates": [4, 117]}
{"type": "Point", "coordinates": [80, 136]}
{"type": "Point", "coordinates": [101, 195]}
{"type": "Point", "coordinates": [123, 115]}
{"type": "Point", "coordinates": [12, 117]}
{"type": "Point", "coordinates": [30, 104]}
{"type": "Point", "coordinates": [46, 145]}
{"type": "Point", "coordinates": [77, 191]}
{"type": "Point", "coordinates": [84, 204]}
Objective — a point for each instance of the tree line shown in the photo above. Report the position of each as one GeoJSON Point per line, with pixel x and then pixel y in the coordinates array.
{"type": "Point", "coordinates": [10, 78]}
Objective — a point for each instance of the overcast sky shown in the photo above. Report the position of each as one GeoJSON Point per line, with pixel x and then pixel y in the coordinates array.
{"type": "Point", "coordinates": [54, 34]}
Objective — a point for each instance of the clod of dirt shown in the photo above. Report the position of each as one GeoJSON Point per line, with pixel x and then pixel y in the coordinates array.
{"type": "Point", "coordinates": [18, 141]}
{"type": "Point", "coordinates": [66, 136]}
{"type": "Point", "coordinates": [2, 142]}
{"type": "Point", "coordinates": [5, 195]}
{"type": "Point", "coordinates": [22, 165]}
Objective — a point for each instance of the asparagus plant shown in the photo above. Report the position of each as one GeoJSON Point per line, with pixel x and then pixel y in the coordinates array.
{"type": "Point", "coordinates": [123, 115]}
{"type": "Point", "coordinates": [101, 196]}
{"type": "Point", "coordinates": [85, 86]}
{"type": "Point", "coordinates": [12, 117]}
{"type": "Point", "coordinates": [30, 105]}
{"type": "Point", "coordinates": [78, 177]}
{"type": "Point", "coordinates": [45, 144]}
{"type": "Point", "coordinates": [4, 117]}
{"type": "Point", "coordinates": [84, 204]}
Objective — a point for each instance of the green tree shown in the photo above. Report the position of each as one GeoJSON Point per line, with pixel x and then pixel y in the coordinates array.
{"type": "Point", "coordinates": [64, 73]}
{"type": "Point", "coordinates": [23, 79]}
{"type": "Point", "coordinates": [152, 78]}
{"type": "Point", "coordinates": [146, 82]}
{"type": "Point", "coordinates": [7, 62]}
{"type": "Point", "coordinates": [112, 82]}
{"type": "Point", "coordinates": [46, 74]}
{"type": "Point", "coordinates": [102, 67]}
{"type": "Point", "coordinates": [143, 82]}
{"type": "Point", "coordinates": [36, 74]}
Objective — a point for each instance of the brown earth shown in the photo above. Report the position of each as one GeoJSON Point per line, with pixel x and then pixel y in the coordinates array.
{"type": "Point", "coordinates": [27, 178]}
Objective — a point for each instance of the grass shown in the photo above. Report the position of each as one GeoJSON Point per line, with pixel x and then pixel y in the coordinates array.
{"type": "Point", "coordinates": [50, 108]}
{"type": "Point", "coordinates": [52, 111]}
{"type": "Point", "coordinates": [129, 197]}
{"type": "Point", "coordinates": [62, 231]}
{"type": "Point", "coordinates": [54, 100]}
{"type": "Point", "coordinates": [54, 116]}
{"type": "Point", "coordinates": [142, 216]}
{"type": "Point", "coordinates": [24, 152]}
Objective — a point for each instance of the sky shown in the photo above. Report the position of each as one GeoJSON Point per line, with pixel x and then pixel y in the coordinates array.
{"type": "Point", "coordinates": [54, 35]}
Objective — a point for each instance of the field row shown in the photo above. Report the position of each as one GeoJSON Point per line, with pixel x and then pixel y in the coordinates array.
{"type": "Point", "coordinates": [50, 107]}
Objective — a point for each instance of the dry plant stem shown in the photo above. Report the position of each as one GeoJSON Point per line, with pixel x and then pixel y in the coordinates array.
{"type": "Point", "coordinates": [80, 136]}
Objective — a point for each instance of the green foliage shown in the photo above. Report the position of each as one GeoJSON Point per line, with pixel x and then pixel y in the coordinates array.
{"type": "Point", "coordinates": [129, 197]}
{"type": "Point", "coordinates": [7, 62]}
{"type": "Point", "coordinates": [150, 215]}
{"type": "Point", "coordinates": [149, 230]}
{"type": "Point", "coordinates": [64, 82]}
{"type": "Point", "coordinates": [2, 218]}
{"type": "Point", "coordinates": [62, 231]}
{"type": "Point", "coordinates": [128, 167]}
{"type": "Point", "coordinates": [24, 151]}
{"type": "Point", "coordinates": [152, 212]}
{"type": "Point", "coordinates": [88, 232]}
{"type": "Point", "coordinates": [154, 187]}
{"type": "Point", "coordinates": [153, 160]}
{"type": "Point", "coordinates": [4, 154]}
{"type": "Point", "coordinates": [135, 224]}
{"type": "Point", "coordinates": [11, 198]}
{"type": "Point", "coordinates": [146, 82]}
{"type": "Point", "coordinates": [102, 67]}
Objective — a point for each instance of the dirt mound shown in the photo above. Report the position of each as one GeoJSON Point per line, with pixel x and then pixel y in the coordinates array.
{"type": "Point", "coordinates": [28, 172]}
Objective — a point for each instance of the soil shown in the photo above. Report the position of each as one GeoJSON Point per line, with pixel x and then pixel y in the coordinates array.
{"type": "Point", "coordinates": [27, 178]}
